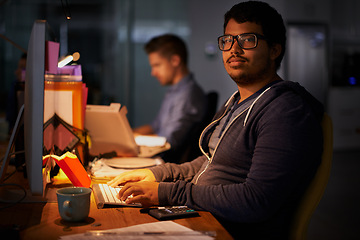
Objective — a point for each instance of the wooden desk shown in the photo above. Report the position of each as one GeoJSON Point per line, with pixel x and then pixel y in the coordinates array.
{"type": "Point", "coordinates": [42, 220]}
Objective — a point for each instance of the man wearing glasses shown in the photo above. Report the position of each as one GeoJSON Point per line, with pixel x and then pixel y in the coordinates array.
{"type": "Point", "coordinates": [262, 148]}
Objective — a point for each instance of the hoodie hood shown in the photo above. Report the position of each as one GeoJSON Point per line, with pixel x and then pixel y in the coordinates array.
{"type": "Point", "coordinates": [284, 86]}
{"type": "Point", "coordinates": [315, 104]}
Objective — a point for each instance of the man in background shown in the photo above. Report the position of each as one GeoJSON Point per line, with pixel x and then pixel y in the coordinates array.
{"type": "Point", "coordinates": [184, 104]}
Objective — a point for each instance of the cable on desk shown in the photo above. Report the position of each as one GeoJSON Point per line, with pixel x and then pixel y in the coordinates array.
{"type": "Point", "coordinates": [23, 193]}
{"type": "Point", "coordinates": [12, 203]}
{"type": "Point", "coordinates": [13, 153]}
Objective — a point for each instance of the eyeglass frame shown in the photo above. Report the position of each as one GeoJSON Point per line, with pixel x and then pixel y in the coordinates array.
{"type": "Point", "coordinates": [257, 37]}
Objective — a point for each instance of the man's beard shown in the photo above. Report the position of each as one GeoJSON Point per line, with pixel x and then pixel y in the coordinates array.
{"type": "Point", "coordinates": [246, 78]}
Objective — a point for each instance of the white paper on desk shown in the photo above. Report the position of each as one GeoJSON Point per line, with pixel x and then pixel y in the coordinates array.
{"type": "Point", "coordinates": [99, 169]}
{"type": "Point", "coordinates": [164, 226]}
{"type": "Point", "coordinates": [150, 141]}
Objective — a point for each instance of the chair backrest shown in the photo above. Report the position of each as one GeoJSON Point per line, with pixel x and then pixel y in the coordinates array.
{"type": "Point", "coordinates": [192, 149]}
{"type": "Point", "coordinates": [212, 102]}
{"type": "Point", "coordinates": [316, 189]}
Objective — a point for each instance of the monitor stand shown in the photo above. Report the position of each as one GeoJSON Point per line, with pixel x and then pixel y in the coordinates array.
{"type": "Point", "coordinates": [11, 193]}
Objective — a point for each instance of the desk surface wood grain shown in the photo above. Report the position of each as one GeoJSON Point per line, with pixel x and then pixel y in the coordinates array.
{"type": "Point", "coordinates": [42, 220]}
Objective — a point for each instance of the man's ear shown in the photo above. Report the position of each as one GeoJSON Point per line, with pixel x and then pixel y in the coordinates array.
{"type": "Point", "coordinates": [275, 51]}
{"type": "Point", "coordinates": [175, 60]}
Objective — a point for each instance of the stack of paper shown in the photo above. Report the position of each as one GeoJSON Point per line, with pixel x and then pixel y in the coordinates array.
{"type": "Point", "coordinates": [100, 169]}
{"type": "Point", "coordinates": [165, 230]}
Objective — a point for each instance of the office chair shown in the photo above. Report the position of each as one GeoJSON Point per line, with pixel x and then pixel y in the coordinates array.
{"type": "Point", "coordinates": [192, 149]}
{"type": "Point", "coordinates": [212, 102]}
{"type": "Point", "coordinates": [316, 189]}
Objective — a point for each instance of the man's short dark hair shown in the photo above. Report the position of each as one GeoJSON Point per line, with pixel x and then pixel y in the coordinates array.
{"type": "Point", "coordinates": [168, 45]}
{"type": "Point", "coordinates": [266, 16]}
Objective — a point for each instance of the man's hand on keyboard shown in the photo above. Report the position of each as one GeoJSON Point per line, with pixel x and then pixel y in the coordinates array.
{"type": "Point", "coordinates": [143, 192]}
{"type": "Point", "coordinates": [133, 176]}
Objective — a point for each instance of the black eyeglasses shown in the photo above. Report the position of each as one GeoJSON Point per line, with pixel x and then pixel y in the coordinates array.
{"type": "Point", "coordinates": [245, 41]}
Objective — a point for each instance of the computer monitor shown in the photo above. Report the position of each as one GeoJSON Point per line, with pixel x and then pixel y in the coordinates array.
{"type": "Point", "coordinates": [34, 107]}
{"type": "Point", "coordinates": [32, 114]}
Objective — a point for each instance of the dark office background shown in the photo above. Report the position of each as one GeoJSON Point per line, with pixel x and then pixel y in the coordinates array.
{"type": "Point", "coordinates": [323, 54]}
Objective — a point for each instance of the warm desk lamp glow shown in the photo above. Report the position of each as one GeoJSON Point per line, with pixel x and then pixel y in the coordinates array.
{"type": "Point", "coordinates": [68, 59]}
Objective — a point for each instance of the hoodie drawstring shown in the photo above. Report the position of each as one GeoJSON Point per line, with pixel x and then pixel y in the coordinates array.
{"type": "Point", "coordinates": [251, 106]}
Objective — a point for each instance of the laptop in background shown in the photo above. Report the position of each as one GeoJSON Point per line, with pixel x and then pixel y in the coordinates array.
{"type": "Point", "coordinates": [110, 131]}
